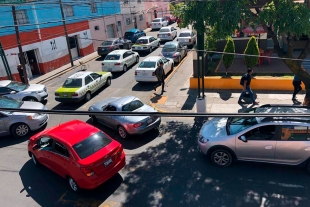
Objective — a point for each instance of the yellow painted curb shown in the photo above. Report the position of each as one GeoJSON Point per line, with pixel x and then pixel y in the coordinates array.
{"type": "Point", "coordinates": [234, 83]}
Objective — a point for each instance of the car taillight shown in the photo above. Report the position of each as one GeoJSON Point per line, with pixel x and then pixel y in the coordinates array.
{"type": "Point", "coordinates": [202, 139]}
{"type": "Point", "coordinates": [174, 55]}
{"type": "Point", "coordinates": [117, 63]}
{"type": "Point", "coordinates": [111, 47]}
{"type": "Point", "coordinates": [75, 94]}
{"type": "Point", "coordinates": [136, 125]}
{"type": "Point", "coordinates": [136, 73]}
{"type": "Point", "coordinates": [189, 40]}
{"type": "Point", "coordinates": [87, 171]}
{"type": "Point", "coordinates": [153, 74]}
{"type": "Point", "coordinates": [169, 34]}
{"type": "Point", "coordinates": [102, 64]}
{"type": "Point", "coordinates": [56, 94]}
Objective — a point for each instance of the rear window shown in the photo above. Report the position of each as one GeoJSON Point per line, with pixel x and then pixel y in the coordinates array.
{"type": "Point", "coordinates": [132, 106]}
{"type": "Point", "coordinates": [142, 41]}
{"type": "Point", "coordinates": [185, 34]}
{"type": "Point", "coordinates": [112, 57]}
{"type": "Point", "coordinates": [147, 64]}
{"type": "Point", "coordinates": [156, 20]}
{"type": "Point", "coordinates": [169, 48]}
{"type": "Point", "coordinates": [129, 34]}
{"type": "Point", "coordinates": [73, 83]}
{"type": "Point", "coordinates": [164, 30]}
{"type": "Point", "coordinates": [92, 144]}
{"type": "Point", "coordinates": [107, 43]}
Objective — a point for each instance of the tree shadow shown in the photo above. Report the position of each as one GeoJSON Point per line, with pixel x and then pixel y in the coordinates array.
{"type": "Point", "coordinates": [173, 173]}
{"type": "Point", "coordinates": [49, 189]}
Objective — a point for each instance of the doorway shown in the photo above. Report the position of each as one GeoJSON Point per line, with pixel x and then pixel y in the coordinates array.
{"type": "Point", "coordinates": [110, 30]}
{"type": "Point", "coordinates": [74, 47]}
{"type": "Point", "coordinates": [33, 62]}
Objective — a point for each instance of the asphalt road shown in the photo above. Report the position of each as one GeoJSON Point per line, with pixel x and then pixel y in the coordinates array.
{"type": "Point", "coordinates": [163, 167]}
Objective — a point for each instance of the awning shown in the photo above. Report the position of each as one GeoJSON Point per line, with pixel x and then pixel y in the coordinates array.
{"type": "Point", "coordinates": [257, 30]}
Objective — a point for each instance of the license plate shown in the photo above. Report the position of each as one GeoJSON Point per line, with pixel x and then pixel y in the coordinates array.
{"type": "Point", "coordinates": [106, 163]}
{"type": "Point", "coordinates": [144, 74]}
{"type": "Point", "coordinates": [140, 48]}
{"type": "Point", "coordinates": [65, 95]}
{"type": "Point", "coordinates": [149, 121]}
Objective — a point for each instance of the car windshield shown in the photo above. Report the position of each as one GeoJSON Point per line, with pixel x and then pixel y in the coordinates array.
{"type": "Point", "coordinates": [91, 144]}
{"type": "Point", "coordinates": [132, 106]}
{"type": "Point", "coordinates": [73, 83]}
{"type": "Point", "coordinates": [169, 48]}
{"type": "Point", "coordinates": [17, 86]}
{"type": "Point", "coordinates": [112, 57]}
{"type": "Point", "coordinates": [156, 20]}
{"type": "Point", "coordinates": [147, 64]}
{"type": "Point", "coordinates": [238, 124]}
{"type": "Point", "coordinates": [164, 30]}
{"type": "Point", "coordinates": [106, 43]}
{"type": "Point", "coordinates": [9, 103]}
{"type": "Point", "coordinates": [185, 34]}
{"type": "Point", "coordinates": [129, 34]}
{"type": "Point", "coordinates": [142, 41]}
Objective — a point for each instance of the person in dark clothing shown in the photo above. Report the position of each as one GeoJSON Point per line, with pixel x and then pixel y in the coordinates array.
{"type": "Point", "coordinates": [21, 72]}
{"type": "Point", "coordinates": [246, 82]}
{"type": "Point", "coordinates": [297, 86]}
{"type": "Point", "coordinates": [160, 75]}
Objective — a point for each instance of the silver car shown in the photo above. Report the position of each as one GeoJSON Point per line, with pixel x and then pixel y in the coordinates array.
{"type": "Point", "coordinates": [125, 125]}
{"type": "Point", "coordinates": [23, 92]}
{"type": "Point", "coordinates": [19, 124]}
{"type": "Point", "coordinates": [279, 140]}
{"type": "Point", "coordinates": [174, 50]}
{"type": "Point", "coordinates": [187, 37]}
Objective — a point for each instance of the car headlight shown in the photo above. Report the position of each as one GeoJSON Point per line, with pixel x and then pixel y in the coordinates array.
{"type": "Point", "coordinates": [34, 116]}
{"type": "Point", "coordinates": [202, 139]}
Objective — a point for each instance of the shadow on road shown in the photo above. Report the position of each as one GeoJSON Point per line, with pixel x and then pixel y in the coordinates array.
{"type": "Point", "coordinates": [100, 58]}
{"type": "Point", "coordinates": [49, 189]}
{"type": "Point", "coordinates": [143, 86]}
{"type": "Point", "coordinates": [173, 173]}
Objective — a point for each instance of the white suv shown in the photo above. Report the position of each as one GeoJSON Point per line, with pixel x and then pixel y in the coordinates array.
{"type": "Point", "coordinates": [187, 37]}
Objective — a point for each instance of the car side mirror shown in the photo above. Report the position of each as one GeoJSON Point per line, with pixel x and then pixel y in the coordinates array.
{"type": "Point", "coordinates": [100, 75]}
{"type": "Point", "coordinates": [242, 138]}
{"type": "Point", "coordinates": [12, 92]}
{"type": "Point", "coordinates": [36, 146]}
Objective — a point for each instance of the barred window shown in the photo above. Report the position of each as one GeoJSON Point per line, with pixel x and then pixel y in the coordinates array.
{"type": "Point", "coordinates": [128, 21]}
{"type": "Point", "coordinates": [22, 17]}
{"type": "Point", "coordinates": [93, 7]}
{"type": "Point", "coordinates": [140, 17]}
{"type": "Point", "coordinates": [68, 10]}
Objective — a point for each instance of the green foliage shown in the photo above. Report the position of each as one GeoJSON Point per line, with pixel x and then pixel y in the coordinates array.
{"type": "Point", "coordinates": [228, 59]}
{"type": "Point", "coordinates": [251, 49]}
{"type": "Point", "coordinates": [176, 9]}
{"type": "Point", "coordinates": [211, 41]}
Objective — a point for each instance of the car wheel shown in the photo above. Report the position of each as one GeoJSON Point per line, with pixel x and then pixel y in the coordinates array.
{"type": "Point", "coordinates": [34, 160]}
{"type": "Point", "coordinates": [124, 68]}
{"type": "Point", "coordinates": [20, 130]}
{"type": "Point", "coordinates": [87, 96]}
{"type": "Point", "coordinates": [108, 83]}
{"type": "Point", "coordinates": [73, 185]}
{"type": "Point", "coordinates": [33, 99]}
{"type": "Point", "coordinates": [172, 66]}
{"type": "Point", "coordinates": [122, 132]}
{"type": "Point", "coordinates": [221, 158]}
{"type": "Point", "coordinates": [94, 119]}
{"type": "Point", "coordinates": [137, 59]}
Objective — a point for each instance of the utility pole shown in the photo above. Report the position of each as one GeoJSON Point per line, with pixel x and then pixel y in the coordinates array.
{"type": "Point", "coordinates": [21, 54]}
{"type": "Point", "coordinates": [66, 32]}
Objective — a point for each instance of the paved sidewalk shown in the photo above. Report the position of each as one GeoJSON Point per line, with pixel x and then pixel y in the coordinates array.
{"type": "Point", "coordinates": [179, 98]}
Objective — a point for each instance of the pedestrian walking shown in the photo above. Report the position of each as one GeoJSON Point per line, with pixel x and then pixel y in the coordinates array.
{"type": "Point", "coordinates": [21, 72]}
{"type": "Point", "coordinates": [246, 82]}
{"type": "Point", "coordinates": [160, 75]}
{"type": "Point", "coordinates": [297, 86]}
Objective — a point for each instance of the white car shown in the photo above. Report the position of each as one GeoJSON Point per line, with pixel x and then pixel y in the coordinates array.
{"type": "Point", "coordinates": [23, 92]}
{"type": "Point", "coordinates": [158, 23]}
{"type": "Point", "coordinates": [146, 44]}
{"type": "Point", "coordinates": [146, 70]}
{"type": "Point", "coordinates": [187, 37]}
{"type": "Point", "coordinates": [167, 33]}
{"type": "Point", "coordinates": [119, 60]}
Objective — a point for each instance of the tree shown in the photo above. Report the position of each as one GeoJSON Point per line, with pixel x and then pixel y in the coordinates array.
{"type": "Point", "coordinates": [251, 49]}
{"type": "Point", "coordinates": [276, 16]}
{"type": "Point", "coordinates": [210, 42]}
{"type": "Point", "coordinates": [228, 59]}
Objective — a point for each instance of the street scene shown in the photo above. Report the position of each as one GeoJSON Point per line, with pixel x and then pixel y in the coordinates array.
{"type": "Point", "coordinates": [180, 141]}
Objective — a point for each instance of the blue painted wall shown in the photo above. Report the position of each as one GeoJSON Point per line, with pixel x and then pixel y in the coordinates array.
{"type": "Point", "coordinates": [49, 15]}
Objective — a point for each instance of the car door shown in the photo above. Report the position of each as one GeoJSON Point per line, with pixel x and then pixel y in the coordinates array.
{"type": "Point", "coordinates": [97, 80]}
{"type": "Point", "coordinates": [108, 119]}
{"type": "Point", "coordinates": [180, 50]}
{"type": "Point", "coordinates": [7, 92]}
{"type": "Point", "coordinates": [3, 118]}
{"type": "Point", "coordinates": [60, 158]}
{"type": "Point", "coordinates": [258, 145]}
{"type": "Point", "coordinates": [167, 65]}
{"type": "Point", "coordinates": [173, 32]}
{"type": "Point", "coordinates": [164, 21]}
{"type": "Point", "coordinates": [43, 153]}
{"type": "Point", "coordinates": [293, 146]}
{"type": "Point", "coordinates": [90, 83]}
{"type": "Point", "coordinates": [126, 59]}
{"type": "Point", "coordinates": [131, 57]}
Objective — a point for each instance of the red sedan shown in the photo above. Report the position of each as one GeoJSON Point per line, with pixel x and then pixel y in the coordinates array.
{"type": "Point", "coordinates": [78, 152]}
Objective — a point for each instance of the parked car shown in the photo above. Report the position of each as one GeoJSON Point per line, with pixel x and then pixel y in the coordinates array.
{"type": "Point", "coordinates": [23, 92]}
{"type": "Point", "coordinates": [134, 34]}
{"type": "Point", "coordinates": [79, 152]}
{"type": "Point", "coordinates": [112, 44]}
{"type": "Point", "coordinates": [146, 44]}
{"type": "Point", "coordinates": [171, 19]}
{"type": "Point", "coordinates": [146, 70]}
{"type": "Point", "coordinates": [187, 37]}
{"type": "Point", "coordinates": [158, 23]}
{"type": "Point", "coordinates": [279, 140]}
{"type": "Point", "coordinates": [119, 60]}
{"type": "Point", "coordinates": [125, 125]}
{"type": "Point", "coordinates": [167, 33]}
{"type": "Point", "coordinates": [81, 86]}
{"type": "Point", "coordinates": [174, 50]}
{"type": "Point", "coordinates": [20, 124]}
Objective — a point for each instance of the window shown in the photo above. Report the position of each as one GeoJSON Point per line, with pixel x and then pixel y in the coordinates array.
{"type": "Point", "coordinates": [17, 86]}
{"type": "Point", "coordinates": [105, 43]}
{"type": "Point", "coordinates": [112, 57]}
{"type": "Point", "coordinates": [95, 75]}
{"type": "Point", "coordinates": [142, 41]}
{"type": "Point", "coordinates": [147, 64]}
{"type": "Point", "coordinates": [61, 149]}
{"type": "Point", "coordinates": [238, 124]}
{"type": "Point", "coordinates": [152, 39]}
{"type": "Point", "coordinates": [132, 106]}
{"type": "Point", "coordinates": [5, 91]}
{"type": "Point", "coordinates": [93, 7]}
{"type": "Point", "coordinates": [294, 133]}
{"type": "Point", "coordinates": [185, 34]}
{"type": "Point", "coordinates": [169, 48]}
{"type": "Point", "coordinates": [126, 1]}
{"type": "Point", "coordinates": [72, 83]}
{"type": "Point", "coordinates": [164, 30]}
{"type": "Point", "coordinates": [68, 10]}
{"type": "Point", "coordinates": [22, 17]}
{"type": "Point", "coordinates": [261, 133]}
{"type": "Point", "coordinates": [88, 80]}
{"type": "Point", "coordinates": [109, 108]}
{"type": "Point", "coordinates": [165, 60]}
{"type": "Point", "coordinates": [128, 21]}
{"type": "Point", "coordinates": [96, 28]}
{"type": "Point", "coordinates": [45, 143]}
{"type": "Point", "coordinates": [140, 17]}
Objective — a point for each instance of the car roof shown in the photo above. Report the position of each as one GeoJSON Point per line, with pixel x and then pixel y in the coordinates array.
{"type": "Point", "coordinates": [111, 39]}
{"type": "Point", "coordinates": [185, 31]}
{"type": "Point", "coordinates": [122, 101]}
{"type": "Point", "coordinates": [80, 74]}
{"type": "Point", "coordinates": [132, 30]}
{"type": "Point", "coordinates": [5, 82]}
{"type": "Point", "coordinates": [166, 27]}
{"type": "Point", "coordinates": [152, 58]}
{"type": "Point", "coordinates": [118, 52]}
{"type": "Point", "coordinates": [145, 37]}
{"type": "Point", "coordinates": [72, 132]}
{"type": "Point", "coordinates": [171, 43]}
{"type": "Point", "coordinates": [159, 18]}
